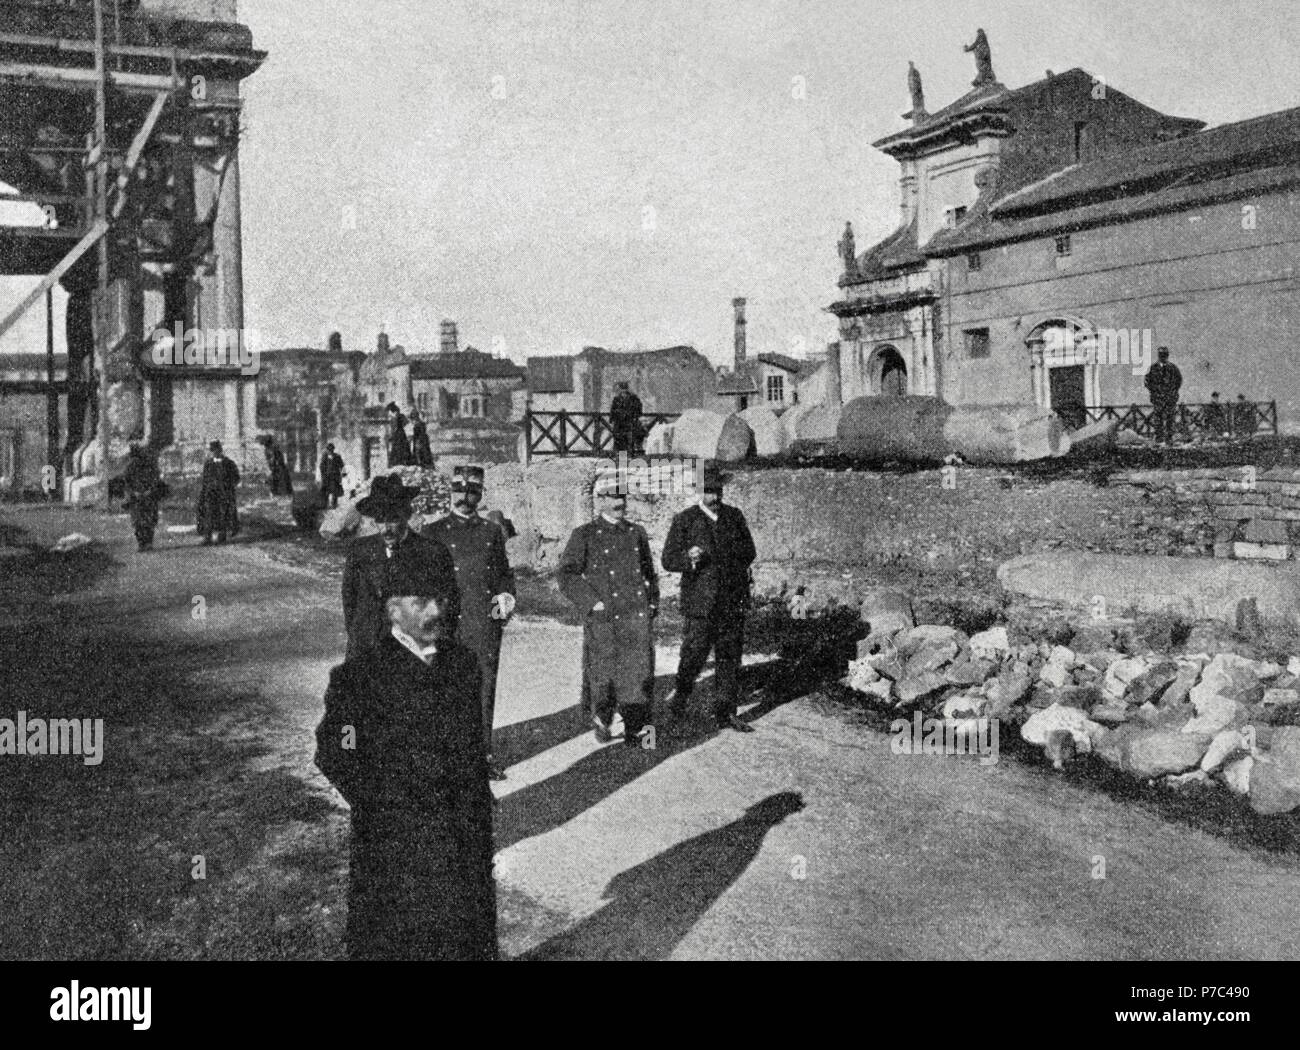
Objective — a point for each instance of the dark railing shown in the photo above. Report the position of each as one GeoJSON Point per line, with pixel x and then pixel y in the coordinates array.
{"type": "Point", "coordinates": [579, 433]}
{"type": "Point", "coordinates": [1233, 419]}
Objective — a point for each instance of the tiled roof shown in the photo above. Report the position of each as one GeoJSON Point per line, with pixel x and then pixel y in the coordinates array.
{"type": "Point", "coordinates": [1254, 142]}
{"type": "Point", "coordinates": [897, 251]}
{"type": "Point", "coordinates": [463, 364]}
{"type": "Point", "coordinates": [732, 383]}
{"type": "Point", "coordinates": [790, 364]}
{"type": "Point", "coordinates": [986, 230]}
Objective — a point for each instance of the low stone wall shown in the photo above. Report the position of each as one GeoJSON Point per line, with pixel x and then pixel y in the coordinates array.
{"type": "Point", "coordinates": [1256, 513]}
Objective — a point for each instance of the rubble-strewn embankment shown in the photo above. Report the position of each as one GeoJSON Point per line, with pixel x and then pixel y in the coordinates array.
{"type": "Point", "coordinates": [1211, 715]}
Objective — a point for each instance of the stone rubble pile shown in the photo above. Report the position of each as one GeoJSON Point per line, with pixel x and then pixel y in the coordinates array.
{"type": "Point", "coordinates": [1186, 720]}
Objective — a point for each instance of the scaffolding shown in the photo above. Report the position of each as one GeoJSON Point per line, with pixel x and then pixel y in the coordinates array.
{"type": "Point", "coordinates": [148, 98]}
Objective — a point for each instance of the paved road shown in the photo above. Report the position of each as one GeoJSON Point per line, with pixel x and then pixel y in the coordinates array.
{"type": "Point", "coordinates": [808, 839]}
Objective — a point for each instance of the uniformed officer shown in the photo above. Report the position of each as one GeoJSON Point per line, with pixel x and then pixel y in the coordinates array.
{"type": "Point", "coordinates": [608, 572]}
{"type": "Point", "coordinates": [487, 585]}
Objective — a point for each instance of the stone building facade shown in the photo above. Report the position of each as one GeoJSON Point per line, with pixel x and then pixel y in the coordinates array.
{"type": "Point", "coordinates": [1052, 236]}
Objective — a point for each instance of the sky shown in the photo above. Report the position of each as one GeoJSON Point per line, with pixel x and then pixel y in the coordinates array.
{"type": "Point", "coordinates": [561, 173]}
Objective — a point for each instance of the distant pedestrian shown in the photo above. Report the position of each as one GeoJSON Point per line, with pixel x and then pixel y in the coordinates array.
{"type": "Point", "coordinates": [399, 445]}
{"type": "Point", "coordinates": [421, 454]}
{"type": "Point", "coordinates": [625, 421]}
{"type": "Point", "coordinates": [369, 558]}
{"type": "Point", "coordinates": [608, 572]}
{"type": "Point", "coordinates": [711, 546]}
{"type": "Point", "coordinates": [1215, 418]}
{"type": "Point", "coordinates": [331, 476]}
{"type": "Point", "coordinates": [144, 490]}
{"type": "Point", "coordinates": [217, 511]}
{"type": "Point", "coordinates": [1244, 421]}
{"type": "Point", "coordinates": [402, 741]}
{"type": "Point", "coordinates": [487, 586]}
{"type": "Point", "coordinates": [1163, 381]}
{"type": "Point", "coordinates": [280, 481]}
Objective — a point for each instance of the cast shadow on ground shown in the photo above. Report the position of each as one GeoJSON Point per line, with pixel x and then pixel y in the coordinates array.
{"type": "Point", "coordinates": [654, 905]}
{"type": "Point", "coordinates": [553, 802]}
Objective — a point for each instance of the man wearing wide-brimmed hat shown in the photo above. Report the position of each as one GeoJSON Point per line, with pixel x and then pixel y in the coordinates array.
{"type": "Point", "coordinates": [711, 546]}
{"type": "Point", "coordinates": [486, 581]}
{"type": "Point", "coordinates": [217, 511]}
{"type": "Point", "coordinates": [608, 572]}
{"type": "Point", "coordinates": [371, 560]}
{"type": "Point", "coordinates": [402, 741]}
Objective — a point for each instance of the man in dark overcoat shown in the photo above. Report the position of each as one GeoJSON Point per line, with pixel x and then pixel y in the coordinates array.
{"type": "Point", "coordinates": [280, 480]}
{"type": "Point", "coordinates": [487, 585]}
{"type": "Point", "coordinates": [625, 420]}
{"type": "Point", "coordinates": [421, 453]}
{"type": "Point", "coordinates": [608, 572]}
{"type": "Point", "coordinates": [1163, 382]}
{"type": "Point", "coordinates": [144, 487]}
{"type": "Point", "coordinates": [331, 476]}
{"type": "Point", "coordinates": [399, 445]}
{"type": "Point", "coordinates": [711, 546]}
{"type": "Point", "coordinates": [402, 742]}
{"type": "Point", "coordinates": [217, 511]}
{"type": "Point", "coordinates": [367, 566]}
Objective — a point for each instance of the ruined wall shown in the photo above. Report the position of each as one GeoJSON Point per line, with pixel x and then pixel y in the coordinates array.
{"type": "Point", "coordinates": [837, 533]}
{"type": "Point", "coordinates": [1256, 514]}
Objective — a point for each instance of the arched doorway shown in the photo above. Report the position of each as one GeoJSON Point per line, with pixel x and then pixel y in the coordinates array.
{"type": "Point", "coordinates": [888, 372]}
{"type": "Point", "coordinates": [1063, 366]}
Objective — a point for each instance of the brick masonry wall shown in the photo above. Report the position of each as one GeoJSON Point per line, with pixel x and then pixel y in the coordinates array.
{"type": "Point", "coordinates": [1255, 514]}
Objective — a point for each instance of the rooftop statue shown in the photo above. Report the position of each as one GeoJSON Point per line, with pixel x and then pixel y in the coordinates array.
{"type": "Point", "coordinates": [847, 251]}
{"type": "Point", "coordinates": [918, 94]}
{"type": "Point", "coordinates": [983, 60]}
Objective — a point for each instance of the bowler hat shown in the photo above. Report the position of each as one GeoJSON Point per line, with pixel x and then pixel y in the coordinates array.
{"type": "Point", "coordinates": [388, 498]}
{"type": "Point", "coordinates": [214, 446]}
{"type": "Point", "coordinates": [714, 478]}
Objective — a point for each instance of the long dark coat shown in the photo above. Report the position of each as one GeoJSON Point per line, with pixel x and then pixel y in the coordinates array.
{"type": "Point", "coordinates": [421, 453]}
{"type": "Point", "coordinates": [281, 480]}
{"type": "Point", "coordinates": [611, 563]}
{"type": "Point", "coordinates": [1163, 381]}
{"type": "Point", "coordinates": [625, 421]}
{"type": "Point", "coordinates": [216, 510]}
{"type": "Point", "coordinates": [399, 445]}
{"type": "Point", "coordinates": [720, 582]}
{"type": "Point", "coordinates": [420, 883]}
{"type": "Point", "coordinates": [331, 474]}
{"type": "Point", "coordinates": [143, 484]}
{"type": "Point", "coordinates": [478, 552]}
{"type": "Point", "coordinates": [365, 585]}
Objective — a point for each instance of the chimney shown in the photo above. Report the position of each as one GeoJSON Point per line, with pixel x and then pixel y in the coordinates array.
{"type": "Point", "coordinates": [447, 340]}
{"type": "Point", "coordinates": [739, 305]}
{"type": "Point", "coordinates": [336, 343]}
{"type": "Point", "coordinates": [382, 343]}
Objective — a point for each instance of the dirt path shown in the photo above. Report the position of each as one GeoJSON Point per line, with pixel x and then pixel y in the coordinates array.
{"type": "Point", "coordinates": [806, 839]}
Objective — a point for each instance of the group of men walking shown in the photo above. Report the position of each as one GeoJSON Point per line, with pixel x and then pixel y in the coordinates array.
{"type": "Point", "coordinates": [407, 731]}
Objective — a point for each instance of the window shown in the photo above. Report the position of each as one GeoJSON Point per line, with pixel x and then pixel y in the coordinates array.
{"type": "Point", "coordinates": [977, 342]}
{"type": "Point", "coordinates": [1079, 125]}
{"type": "Point", "coordinates": [1063, 246]}
{"type": "Point", "coordinates": [776, 388]}
{"type": "Point", "coordinates": [973, 261]}
{"type": "Point", "coordinates": [422, 402]}
{"type": "Point", "coordinates": [471, 406]}
{"type": "Point", "coordinates": [953, 216]}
